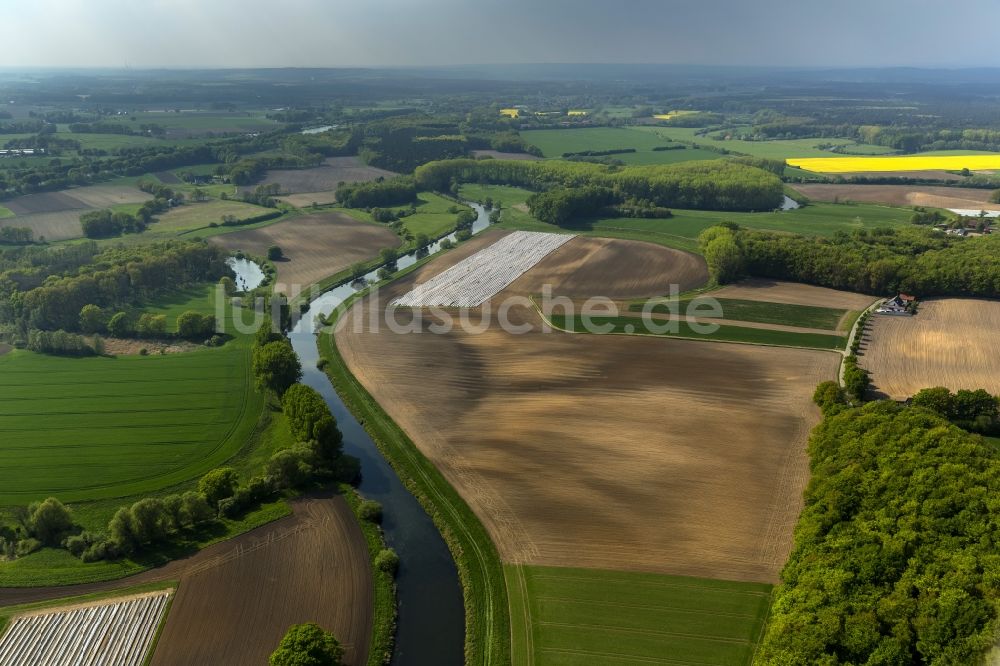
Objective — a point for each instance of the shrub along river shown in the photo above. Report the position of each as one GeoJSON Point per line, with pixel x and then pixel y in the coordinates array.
{"type": "Point", "coordinates": [431, 626]}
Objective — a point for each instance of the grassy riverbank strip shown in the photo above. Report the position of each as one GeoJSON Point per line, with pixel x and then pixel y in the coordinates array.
{"type": "Point", "coordinates": [487, 623]}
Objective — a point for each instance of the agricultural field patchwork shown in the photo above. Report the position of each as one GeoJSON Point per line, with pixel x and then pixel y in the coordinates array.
{"type": "Point", "coordinates": [554, 143]}
{"type": "Point", "coordinates": [591, 616]}
{"type": "Point", "coordinates": [193, 216]}
{"type": "Point", "coordinates": [579, 477]}
{"type": "Point", "coordinates": [950, 342]}
{"type": "Point", "coordinates": [314, 246]}
{"type": "Point", "coordinates": [764, 312]}
{"type": "Point", "coordinates": [106, 633]}
{"type": "Point", "coordinates": [323, 178]}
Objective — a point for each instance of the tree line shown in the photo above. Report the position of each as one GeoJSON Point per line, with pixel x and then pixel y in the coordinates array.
{"type": "Point", "coordinates": [705, 185]}
{"type": "Point", "coordinates": [878, 261]}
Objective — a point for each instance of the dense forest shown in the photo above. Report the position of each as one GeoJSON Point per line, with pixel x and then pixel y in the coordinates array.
{"type": "Point", "coordinates": [911, 259]}
{"type": "Point", "coordinates": [896, 551]}
{"type": "Point", "coordinates": [708, 185]}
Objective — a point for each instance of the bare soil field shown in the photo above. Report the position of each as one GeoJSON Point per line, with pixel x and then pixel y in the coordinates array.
{"type": "Point", "coordinates": [315, 246]}
{"type": "Point", "coordinates": [49, 202]}
{"type": "Point", "coordinates": [950, 342]}
{"type": "Point", "coordinates": [93, 196]}
{"type": "Point", "coordinates": [333, 171]}
{"type": "Point", "coordinates": [235, 609]}
{"type": "Point", "coordinates": [167, 178]}
{"type": "Point", "coordinates": [926, 174]}
{"type": "Point", "coordinates": [306, 199]}
{"type": "Point", "coordinates": [902, 195]}
{"type": "Point", "coordinates": [498, 155]}
{"type": "Point", "coordinates": [52, 226]}
{"type": "Point", "coordinates": [616, 269]}
{"type": "Point", "coordinates": [237, 598]}
{"type": "Point", "coordinates": [607, 452]}
{"type": "Point", "coordinates": [762, 289]}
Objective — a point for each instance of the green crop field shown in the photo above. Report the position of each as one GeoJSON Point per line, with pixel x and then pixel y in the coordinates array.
{"type": "Point", "coordinates": [778, 149]}
{"type": "Point", "coordinates": [554, 143]}
{"type": "Point", "coordinates": [681, 231]}
{"type": "Point", "coordinates": [91, 428]}
{"type": "Point", "coordinates": [682, 329]}
{"type": "Point", "coordinates": [192, 216]}
{"type": "Point", "coordinates": [5, 212]}
{"type": "Point", "coordinates": [786, 314]}
{"type": "Point", "coordinates": [432, 217]}
{"type": "Point", "coordinates": [587, 616]}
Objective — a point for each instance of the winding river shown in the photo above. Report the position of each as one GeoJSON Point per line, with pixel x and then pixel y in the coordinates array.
{"type": "Point", "coordinates": [431, 626]}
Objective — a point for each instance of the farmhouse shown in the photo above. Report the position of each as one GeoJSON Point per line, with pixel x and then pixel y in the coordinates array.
{"type": "Point", "coordinates": [899, 305]}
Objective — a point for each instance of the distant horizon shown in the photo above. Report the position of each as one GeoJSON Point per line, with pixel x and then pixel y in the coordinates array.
{"type": "Point", "coordinates": [250, 34]}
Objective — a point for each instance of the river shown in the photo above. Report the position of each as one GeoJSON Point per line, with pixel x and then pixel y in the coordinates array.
{"type": "Point", "coordinates": [431, 626]}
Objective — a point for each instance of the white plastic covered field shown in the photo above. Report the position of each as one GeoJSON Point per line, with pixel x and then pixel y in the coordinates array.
{"type": "Point", "coordinates": [476, 279]}
{"type": "Point", "coordinates": [116, 633]}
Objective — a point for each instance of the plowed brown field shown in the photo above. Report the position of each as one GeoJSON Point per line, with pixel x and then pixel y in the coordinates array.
{"type": "Point", "coordinates": [604, 451]}
{"type": "Point", "coordinates": [315, 246]}
{"type": "Point", "coordinates": [761, 289]}
{"type": "Point", "coordinates": [237, 598]}
{"type": "Point", "coordinates": [951, 342]}
{"type": "Point", "coordinates": [902, 195]}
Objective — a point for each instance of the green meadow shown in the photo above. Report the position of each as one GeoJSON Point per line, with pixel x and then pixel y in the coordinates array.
{"type": "Point", "coordinates": [100, 427]}
{"type": "Point", "coordinates": [583, 617]}
{"type": "Point", "coordinates": [554, 143]}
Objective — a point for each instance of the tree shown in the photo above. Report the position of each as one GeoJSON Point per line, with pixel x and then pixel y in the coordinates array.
{"type": "Point", "coordinates": [120, 325]}
{"type": "Point", "coordinates": [274, 253]}
{"type": "Point", "coordinates": [310, 420]}
{"type": "Point", "coordinates": [228, 285]}
{"type": "Point", "coordinates": [49, 521]}
{"type": "Point", "coordinates": [276, 366]}
{"type": "Point", "coordinates": [192, 325]}
{"type": "Point", "coordinates": [722, 254]}
{"type": "Point", "coordinates": [122, 531]}
{"type": "Point", "coordinates": [150, 521]}
{"type": "Point", "coordinates": [266, 332]}
{"type": "Point", "coordinates": [291, 467]}
{"type": "Point", "coordinates": [151, 326]}
{"type": "Point", "coordinates": [218, 484]}
{"type": "Point", "coordinates": [195, 508]}
{"type": "Point", "coordinates": [92, 319]}
{"type": "Point", "coordinates": [307, 645]}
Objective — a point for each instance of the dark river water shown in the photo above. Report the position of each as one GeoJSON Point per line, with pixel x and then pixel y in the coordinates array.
{"type": "Point", "coordinates": [431, 627]}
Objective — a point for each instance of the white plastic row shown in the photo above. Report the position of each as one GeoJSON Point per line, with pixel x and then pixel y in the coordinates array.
{"type": "Point", "coordinates": [115, 634]}
{"type": "Point", "coordinates": [476, 279]}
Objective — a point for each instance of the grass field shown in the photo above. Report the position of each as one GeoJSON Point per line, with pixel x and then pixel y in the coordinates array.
{"type": "Point", "coordinates": [562, 616]}
{"type": "Point", "coordinates": [193, 216]}
{"type": "Point", "coordinates": [93, 428]}
{"type": "Point", "coordinates": [948, 162]}
{"type": "Point", "coordinates": [777, 150]}
{"type": "Point", "coordinates": [432, 217]}
{"type": "Point", "coordinates": [683, 329]}
{"type": "Point", "coordinates": [785, 314]}
{"type": "Point", "coordinates": [5, 212]}
{"type": "Point", "coordinates": [554, 143]}
{"type": "Point", "coordinates": [681, 231]}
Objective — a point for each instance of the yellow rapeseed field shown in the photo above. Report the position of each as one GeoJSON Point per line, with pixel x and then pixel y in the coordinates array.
{"type": "Point", "coordinates": [672, 114]}
{"type": "Point", "coordinates": [898, 163]}
{"type": "Point", "coordinates": [510, 113]}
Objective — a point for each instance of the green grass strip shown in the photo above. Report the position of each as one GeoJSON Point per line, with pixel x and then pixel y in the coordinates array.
{"type": "Point", "coordinates": [764, 312]}
{"type": "Point", "coordinates": [756, 336]}
{"type": "Point", "coordinates": [487, 624]}
{"type": "Point", "coordinates": [384, 618]}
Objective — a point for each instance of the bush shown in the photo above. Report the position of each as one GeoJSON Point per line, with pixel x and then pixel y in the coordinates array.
{"type": "Point", "coordinates": [120, 326]}
{"type": "Point", "coordinates": [371, 511]}
{"type": "Point", "coordinates": [274, 253]}
{"type": "Point", "coordinates": [387, 560]}
{"type": "Point", "coordinates": [192, 325]}
{"type": "Point", "coordinates": [49, 521]}
{"type": "Point", "coordinates": [276, 366]}
{"type": "Point", "coordinates": [218, 484]}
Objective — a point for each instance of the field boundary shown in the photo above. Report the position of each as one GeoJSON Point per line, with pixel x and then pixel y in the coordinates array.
{"type": "Point", "coordinates": [487, 620]}
{"type": "Point", "coordinates": [855, 330]}
{"type": "Point", "coordinates": [549, 323]}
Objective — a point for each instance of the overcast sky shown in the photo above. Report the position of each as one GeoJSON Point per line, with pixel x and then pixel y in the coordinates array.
{"type": "Point", "coordinates": [335, 33]}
